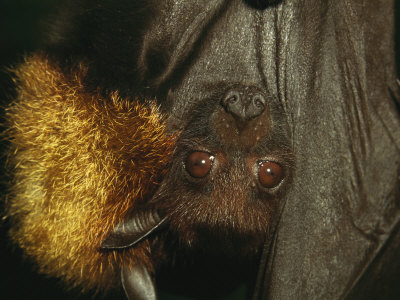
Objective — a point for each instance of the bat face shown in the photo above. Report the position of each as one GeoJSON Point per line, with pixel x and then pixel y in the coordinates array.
{"type": "Point", "coordinates": [231, 167]}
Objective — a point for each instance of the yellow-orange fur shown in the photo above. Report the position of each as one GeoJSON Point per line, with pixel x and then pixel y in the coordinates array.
{"type": "Point", "coordinates": [81, 161]}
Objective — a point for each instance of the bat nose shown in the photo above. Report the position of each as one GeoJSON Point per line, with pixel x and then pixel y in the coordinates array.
{"type": "Point", "coordinates": [242, 117]}
{"type": "Point", "coordinates": [244, 105]}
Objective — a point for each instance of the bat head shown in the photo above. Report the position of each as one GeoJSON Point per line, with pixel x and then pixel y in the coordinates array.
{"type": "Point", "coordinates": [230, 169]}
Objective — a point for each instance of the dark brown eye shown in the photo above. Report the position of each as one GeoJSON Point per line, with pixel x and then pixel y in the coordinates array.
{"type": "Point", "coordinates": [198, 164]}
{"type": "Point", "coordinates": [270, 174]}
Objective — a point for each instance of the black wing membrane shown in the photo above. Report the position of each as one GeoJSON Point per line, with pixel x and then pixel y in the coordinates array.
{"type": "Point", "coordinates": [338, 236]}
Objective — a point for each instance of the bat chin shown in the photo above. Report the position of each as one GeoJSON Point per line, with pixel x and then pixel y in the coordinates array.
{"type": "Point", "coordinates": [223, 238]}
{"type": "Point", "coordinates": [222, 242]}
{"type": "Point", "coordinates": [222, 226]}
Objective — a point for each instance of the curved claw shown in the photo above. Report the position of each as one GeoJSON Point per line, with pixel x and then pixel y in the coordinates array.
{"type": "Point", "coordinates": [131, 231]}
{"type": "Point", "coordinates": [138, 283]}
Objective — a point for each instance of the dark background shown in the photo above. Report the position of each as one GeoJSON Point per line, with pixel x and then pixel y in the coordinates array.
{"type": "Point", "coordinates": [22, 27]}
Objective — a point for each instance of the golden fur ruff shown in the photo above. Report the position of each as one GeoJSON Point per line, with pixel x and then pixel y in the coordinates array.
{"type": "Point", "coordinates": [80, 161]}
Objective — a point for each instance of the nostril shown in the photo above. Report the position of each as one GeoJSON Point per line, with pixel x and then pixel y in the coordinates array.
{"type": "Point", "coordinates": [233, 104]}
{"type": "Point", "coordinates": [256, 107]}
{"type": "Point", "coordinates": [244, 105]}
{"type": "Point", "coordinates": [231, 98]}
{"type": "Point", "coordinates": [259, 101]}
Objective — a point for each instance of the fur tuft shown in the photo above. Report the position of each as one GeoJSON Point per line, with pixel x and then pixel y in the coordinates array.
{"type": "Point", "coordinates": [81, 161]}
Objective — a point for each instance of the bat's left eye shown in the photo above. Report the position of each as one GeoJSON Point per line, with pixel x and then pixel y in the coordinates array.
{"type": "Point", "coordinates": [198, 164]}
{"type": "Point", "coordinates": [270, 174]}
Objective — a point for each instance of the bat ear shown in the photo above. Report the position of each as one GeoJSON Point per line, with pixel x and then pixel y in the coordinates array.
{"type": "Point", "coordinates": [133, 229]}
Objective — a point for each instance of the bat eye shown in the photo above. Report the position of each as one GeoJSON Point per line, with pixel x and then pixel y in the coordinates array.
{"type": "Point", "coordinates": [270, 174]}
{"type": "Point", "coordinates": [198, 164]}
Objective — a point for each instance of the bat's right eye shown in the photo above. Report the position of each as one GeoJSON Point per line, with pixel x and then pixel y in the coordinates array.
{"type": "Point", "coordinates": [270, 174]}
{"type": "Point", "coordinates": [199, 164]}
